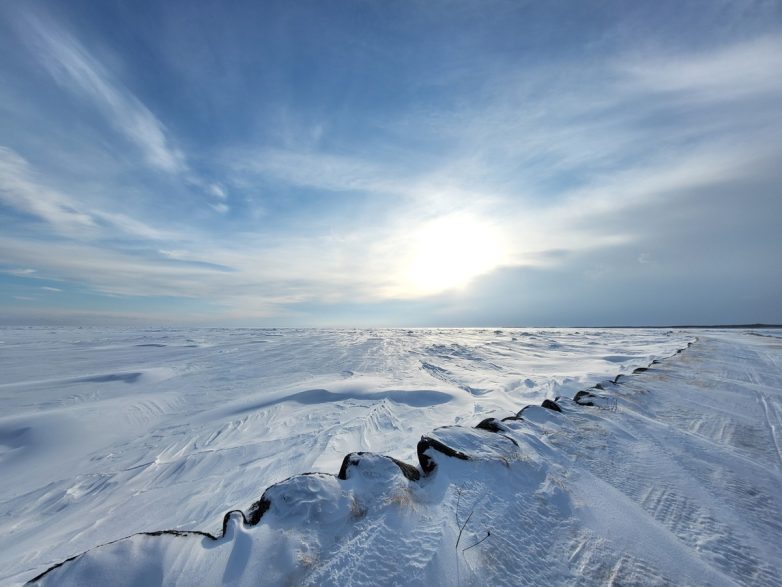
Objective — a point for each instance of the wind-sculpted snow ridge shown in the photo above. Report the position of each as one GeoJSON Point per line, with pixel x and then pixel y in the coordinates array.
{"type": "Point", "coordinates": [666, 476]}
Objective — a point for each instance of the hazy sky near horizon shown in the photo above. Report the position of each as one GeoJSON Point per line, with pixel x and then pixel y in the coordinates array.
{"type": "Point", "coordinates": [390, 163]}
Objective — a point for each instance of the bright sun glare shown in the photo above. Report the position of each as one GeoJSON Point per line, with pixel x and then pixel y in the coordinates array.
{"type": "Point", "coordinates": [450, 251]}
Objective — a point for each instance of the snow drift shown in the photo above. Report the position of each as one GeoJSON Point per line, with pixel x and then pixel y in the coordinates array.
{"type": "Point", "coordinates": [670, 475]}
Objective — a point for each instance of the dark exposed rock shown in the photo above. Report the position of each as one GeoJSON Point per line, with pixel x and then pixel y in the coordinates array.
{"type": "Point", "coordinates": [353, 460]}
{"type": "Point", "coordinates": [582, 394]}
{"type": "Point", "coordinates": [466, 444]}
{"type": "Point", "coordinates": [640, 370]}
{"type": "Point", "coordinates": [540, 415]}
{"type": "Point", "coordinates": [582, 398]}
{"type": "Point", "coordinates": [260, 507]}
{"type": "Point", "coordinates": [427, 464]}
{"type": "Point", "coordinates": [184, 533]}
{"type": "Point", "coordinates": [490, 424]}
{"type": "Point", "coordinates": [550, 405]}
{"type": "Point", "coordinates": [175, 533]}
{"type": "Point", "coordinates": [37, 578]}
{"type": "Point", "coordinates": [255, 513]}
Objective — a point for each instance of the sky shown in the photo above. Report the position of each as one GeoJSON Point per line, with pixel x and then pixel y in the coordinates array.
{"type": "Point", "coordinates": [374, 163]}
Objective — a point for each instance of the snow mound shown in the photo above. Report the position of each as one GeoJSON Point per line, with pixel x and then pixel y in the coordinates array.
{"type": "Point", "coordinates": [465, 444]}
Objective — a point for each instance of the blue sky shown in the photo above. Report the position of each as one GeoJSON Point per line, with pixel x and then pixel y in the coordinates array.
{"type": "Point", "coordinates": [390, 163]}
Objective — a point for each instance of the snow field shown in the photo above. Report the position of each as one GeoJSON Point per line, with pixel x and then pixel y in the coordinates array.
{"type": "Point", "coordinates": [422, 513]}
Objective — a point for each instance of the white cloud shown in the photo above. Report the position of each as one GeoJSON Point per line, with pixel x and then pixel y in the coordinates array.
{"type": "Point", "coordinates": [586, 127]}
{"type": "Point", "coordinates": [108, 270]}
{"type": "Point", "coordinates": [73, 67]}
{"type": "Point", "coordinates": [21, 272]}
{"type": "Point", "coordinates": [319, 170]}
{"type": "Point", "coordinates": [173, 254]}
{"type": "Point", "coordinates": [218, 191]}
{"type": "Point", "coordinates": [220, 208]}
{"type": "Point", "coordinates": [18, 190]}
{"type": "Point", "coordinates": [749, 69]}
{"type": "Point", "coordinates": [21, 189]}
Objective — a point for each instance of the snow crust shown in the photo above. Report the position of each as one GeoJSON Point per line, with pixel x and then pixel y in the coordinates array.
{"type": "Point", "coordinates": [673, 479]}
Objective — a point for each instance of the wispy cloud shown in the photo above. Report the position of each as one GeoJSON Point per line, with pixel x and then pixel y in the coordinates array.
{"type": "Point", "coordinates": [749, 69]}
{"type": "Point", "coordinates": [314, 169]}
{"type": "Point", "coordinates": [21, 272]}
{"type": "Point", "coordinates": [362, 191]}
{"type": "Point", "coordinates": [75, 69]}
{"type": "Point", "coordinates": [220, 207]}
{"type": "Point", "coordinates": [218, 191]}
{"type": "Point", "coordinates": [111, 271]}
{"type": "Point", "coordinates": [20, 188]}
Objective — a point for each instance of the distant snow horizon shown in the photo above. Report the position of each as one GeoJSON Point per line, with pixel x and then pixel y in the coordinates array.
{"type": "Point", "coordinates": [187, 326]}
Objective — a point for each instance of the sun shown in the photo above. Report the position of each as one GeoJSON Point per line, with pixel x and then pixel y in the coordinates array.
{"type": "Point", "coordinates": [450, 251]}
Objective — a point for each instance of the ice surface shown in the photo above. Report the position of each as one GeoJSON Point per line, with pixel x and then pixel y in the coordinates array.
{"type": "Point", "coordinates": [106, 433]}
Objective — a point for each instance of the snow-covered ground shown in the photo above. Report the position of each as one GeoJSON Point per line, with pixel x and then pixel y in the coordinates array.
{"type": "Point", "coordinates": [107, 433]}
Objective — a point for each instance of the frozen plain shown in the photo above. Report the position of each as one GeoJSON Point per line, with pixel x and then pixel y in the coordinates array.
{"type": "Point", "coordinates": [108, 433]}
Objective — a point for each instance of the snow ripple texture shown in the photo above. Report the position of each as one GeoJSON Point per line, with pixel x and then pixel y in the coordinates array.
{"type": "Point", "coordinates": [670, 477]}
